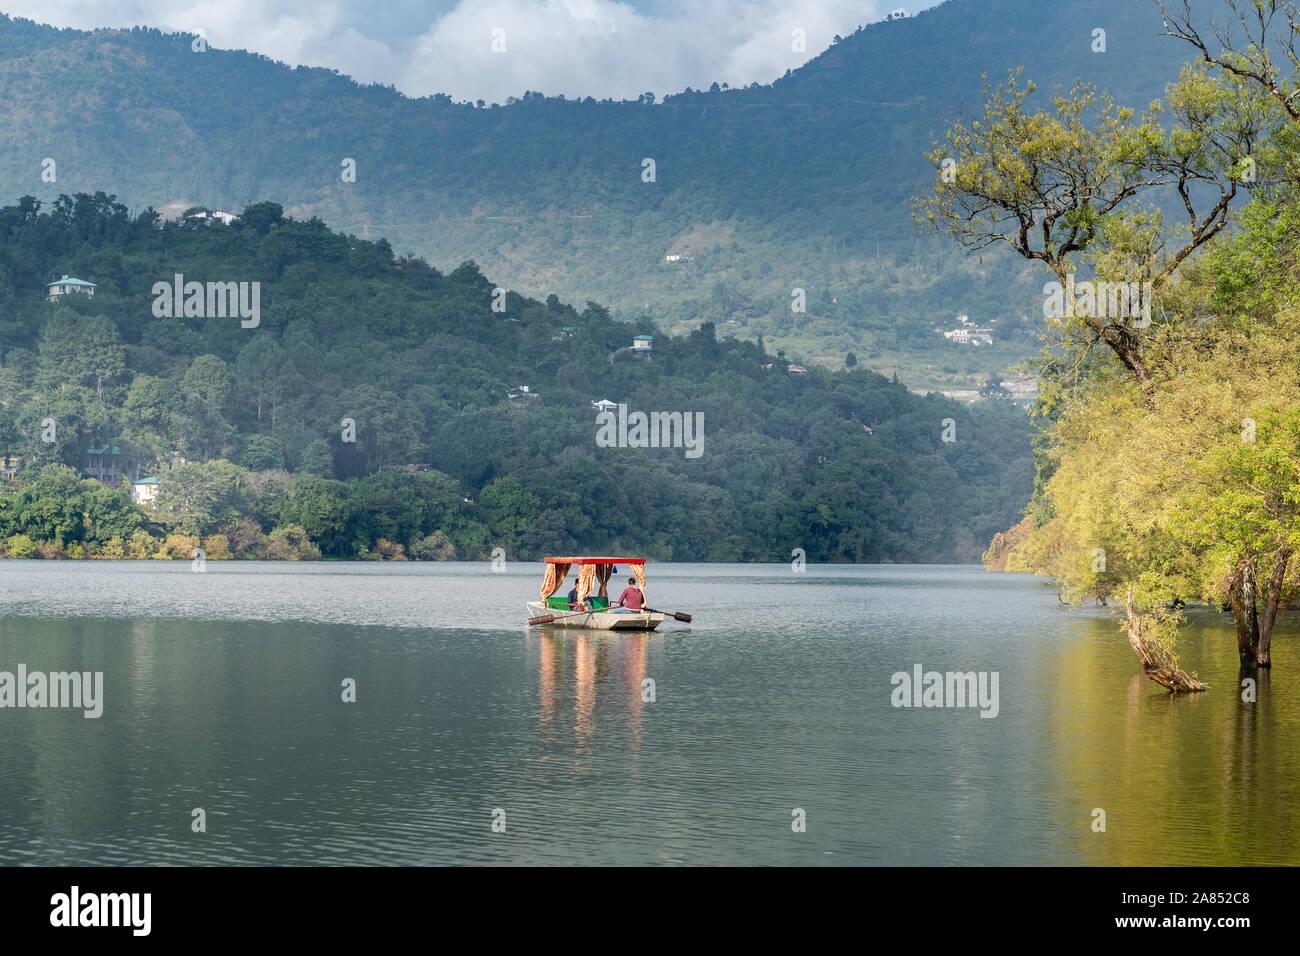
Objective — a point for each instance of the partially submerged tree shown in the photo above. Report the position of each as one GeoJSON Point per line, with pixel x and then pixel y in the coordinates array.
{"type": "Point", "coordinates": [1080, 185]}
{"type": "Point", "coordinates": [1190, 487]}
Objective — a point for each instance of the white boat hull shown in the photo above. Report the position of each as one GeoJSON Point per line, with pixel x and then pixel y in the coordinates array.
{"type": "Point", "coordinates": [597, 620]}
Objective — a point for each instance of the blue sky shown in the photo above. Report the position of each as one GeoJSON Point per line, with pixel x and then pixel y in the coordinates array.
{"type": "Point", "coordinates": [575, 47]}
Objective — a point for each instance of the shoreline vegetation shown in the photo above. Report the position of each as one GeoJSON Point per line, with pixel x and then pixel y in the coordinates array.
{"type": "Point", "coordinates": [1168, 448]}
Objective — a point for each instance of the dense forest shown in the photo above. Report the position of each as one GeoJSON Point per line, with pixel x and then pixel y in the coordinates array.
{"type": "Point", "coordinates": [375, 407]}
{"type": "Point", "coordinates": [801, 184]}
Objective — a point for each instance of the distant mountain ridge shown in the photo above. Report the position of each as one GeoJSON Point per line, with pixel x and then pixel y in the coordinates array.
{"type": "Point", "coordinates": [801, 184]}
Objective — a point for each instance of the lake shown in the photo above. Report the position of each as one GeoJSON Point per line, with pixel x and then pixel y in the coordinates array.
{"type": "Point", "coordinates": [224, 691]}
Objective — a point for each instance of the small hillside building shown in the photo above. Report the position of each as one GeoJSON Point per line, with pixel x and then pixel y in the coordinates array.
{"type": "Point", "coordinates": [970, 335]}
{"type": "Point", "coordinates": [110, 464]}
{"type": "Point", "coordinates": [66, 286]}
{"type": "Point", "coordinates": [212, 215]}
{"type": "Point", "coordinates": [643, 343]}
{"type": "Point", "coordinates": [144, 491]}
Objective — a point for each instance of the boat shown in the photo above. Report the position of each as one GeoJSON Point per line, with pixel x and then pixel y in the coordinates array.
{"type": "Point", "coordinates": [592, 572]}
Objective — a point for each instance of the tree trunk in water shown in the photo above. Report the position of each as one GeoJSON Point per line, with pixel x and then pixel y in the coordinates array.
{"type": "Point", "coordinates": [1271, 602]}
{"type": "Point", "coordinates": [1135, 635]}
{"type": "Point", "coordinates": [1242, 594]}
{"type": "Point", "coordinates": [1173, 678]}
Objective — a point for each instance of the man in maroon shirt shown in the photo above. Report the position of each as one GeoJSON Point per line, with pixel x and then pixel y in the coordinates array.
{"type": "Point", "coordinates": [631, 600]}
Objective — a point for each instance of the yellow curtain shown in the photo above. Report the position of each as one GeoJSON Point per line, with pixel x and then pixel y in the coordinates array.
{"type": "Point", "coordinates": [586, 574]}
{"type": "Point", "coordinates": [603, 572]}
{"type": "Point", "coordinates": [554, 578]}
{"type": "Point", "coordinates": [638, 572]}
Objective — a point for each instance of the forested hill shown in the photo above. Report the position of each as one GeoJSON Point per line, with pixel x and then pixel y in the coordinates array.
{"type": "Point", "coordinates": [846, 465]}
{"type": "Point", "coordinates": [804, 183]}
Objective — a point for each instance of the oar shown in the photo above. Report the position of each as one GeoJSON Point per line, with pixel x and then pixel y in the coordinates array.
{"type": "Point", "coordinates": [554, 617]}
{"type": "Point", "coordinates": [684, 618]}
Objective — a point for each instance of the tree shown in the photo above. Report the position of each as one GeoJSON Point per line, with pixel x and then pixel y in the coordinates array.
{"type": "Point", "coordinates": [510, 508]}
{"type": "Point", "coordinates": [261, 453]}
{"type": "Point", "coordinates": [204, 388]}
{"type": "Point", "coordinates": [148, 403]}
{"type": "Point", "coordinates": [261, 217]}
{"type": "Point", "coordinates": [1056, 185]}
{"type": "Point", "coordinates": [321, 507]}
{"type": "Point", "coordinates": [200, 497]}
{"type": "Point", "coordinates": [385, 424]}
{"type": "Point", "coordinates": [1261, 23]}
{"type": "Point", "coordinates": [75, 348]}
{"type": "Point", "coordinates": [1189, 488]}
{"type": "Point", "coordinates": [108, 513]}
{"type": "Point", "coordinates": [49, 507]}
{"type": "Point", "coordinates": [316, 459]}
{"type": "Point", "coordinates": [1061, 188]}
{"type": "Point", "coordinates": [262, 372]}
{"type": "Point", "coordinates": [57, 425]}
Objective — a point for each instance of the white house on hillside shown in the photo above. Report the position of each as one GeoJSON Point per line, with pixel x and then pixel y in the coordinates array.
{"type": "Point", "coordinates": [144, 491]}
{"type": "Point", "coordinates": [66, 286]}
{"type": "Point", "coordinates": [213, 215]}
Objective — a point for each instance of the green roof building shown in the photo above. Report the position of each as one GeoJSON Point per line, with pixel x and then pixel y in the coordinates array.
{"type": "Point", "coordinates": [68, 285]}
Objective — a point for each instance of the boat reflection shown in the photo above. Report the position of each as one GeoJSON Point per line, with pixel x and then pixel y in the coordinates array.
{"type": "Point", "coordinates": [605, 684]}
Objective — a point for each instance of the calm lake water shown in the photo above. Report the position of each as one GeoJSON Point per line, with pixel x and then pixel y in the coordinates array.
{"type": "Point", "coordinates": [223, 691]}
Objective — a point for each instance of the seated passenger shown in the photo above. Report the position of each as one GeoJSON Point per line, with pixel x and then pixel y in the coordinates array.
{"type": "Point", "coordinates": [574, 605]}
{"type": "Point", "coordinates": [631, 601]}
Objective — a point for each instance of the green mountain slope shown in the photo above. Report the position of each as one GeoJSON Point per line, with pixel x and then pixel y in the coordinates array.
{"type": "Point", "coordinates": [801, 184]}
{"type": "Point", "coordinates": [302, 425]}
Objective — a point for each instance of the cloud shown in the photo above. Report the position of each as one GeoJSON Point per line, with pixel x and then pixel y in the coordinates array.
{"type": "Point", "coordinates": [334, 34]}
{"type": "Point", "coordinates": [600, 48]}
{"type": "Point", "coordinates": [609, 48]}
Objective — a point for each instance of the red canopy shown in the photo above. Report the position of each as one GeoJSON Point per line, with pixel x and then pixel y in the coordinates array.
{"type": "Point", "coordinates": [594, 560]}
{"type": "Point", "coordinates": [591, 571]}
